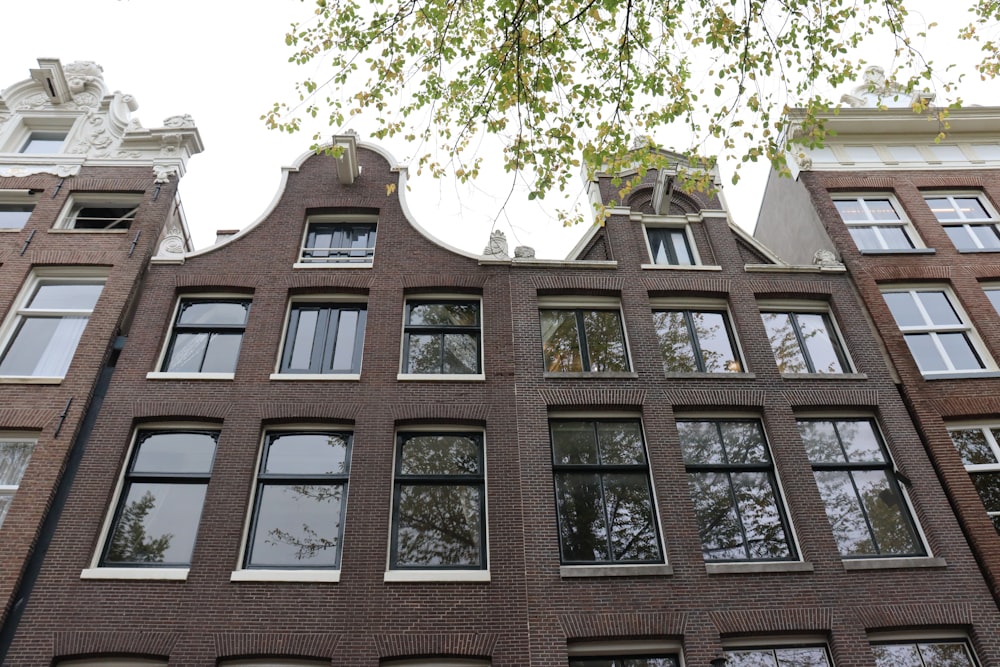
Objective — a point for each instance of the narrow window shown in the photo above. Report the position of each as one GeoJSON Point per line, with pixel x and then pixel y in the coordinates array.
{"type": "Point", "coordinates": [670, 245]}
{"type": "Point", "coordinates": [442, 337]}
{"type": "Point", "coordinates": [325, 338]}
{"type": "Point", "coordinates": [979, 447]}
{"type": "Point", "coordinates": [206, 336]}
{"type": "Point", "coordinates": [15, 452]}
{"type": "Point", "coordinates": [804, 342]}
{"type": "Point", "coordinates": [875, 223]}
{"type": "Point", "coordinates": [14, 215]}
{"type": "Point", "coordinates": [696, 341]}
{"type": "Point", "coordinates": [347, 242]}
{"type": "Point", "coordinates": [583, 340]}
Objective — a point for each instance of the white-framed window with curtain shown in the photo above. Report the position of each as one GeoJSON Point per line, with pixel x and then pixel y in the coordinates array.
{"type": "Point", "coordinates": [46, 323]}
{"type": "Point", "coordinates": [15, 452]}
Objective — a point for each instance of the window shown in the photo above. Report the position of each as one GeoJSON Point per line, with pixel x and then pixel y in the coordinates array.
{"type": "Point", "coordinates": [46, 325]}
{"type": "Point", "coordinates": [797, 656]}
{"type": "Point", "coordinates": [298, 515]}
{"type": "Point", "coordinates": [979, 447]}
{"type": "Point", "coordinates": [875, 223]}
{"type": "Point", "coordinates": [156, 521]}
{"type": "Point", "coordinates": [442, 338]}
{"type": "Point", "coordinates": [670, 245]}
{"type": "Point", "coordinates": [855, 477]}
{"type": "Point", "coordinates": [15, 209]}
{"type": "Point", "coordinates": [948, 653]}
{"type": "Point", "coordinates": [603, 494]}
{"type": "Point", "coordinates": [968, 220]}
{"type": "Point", "coordinates": [583, 340]}
{"type": "Point", "coordinates": [97, 212]}
{"type": "Point", "coordinates": [439, 503]}
{"type": "Point", "coordinates": [324, 338]}
{"type": "Point", "coordinates": [627, 661]}
{"type": "Point", "coordinates": [206, 336]}
{"type": "Point", "coordinates": [735, 491]}
{"type": "Point", "coordinates": [345, 240]}
{"type": "Point", "coordinates": [938, 336]}
{"type": "Point", "coordinates": [43, 143]}
{"type": "Point", "coordinates": [804, 342]}
{"type": "Point", "coordinates": [15, 452]}
{"type": "Point", "coordinates": [993, 294]}
{"type": "Point", "coordinates": [696, 341]}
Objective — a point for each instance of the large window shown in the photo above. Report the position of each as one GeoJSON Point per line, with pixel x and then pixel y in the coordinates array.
{"type": "Point", "coordinates": [159, 508]}
{"type": "Point", "coordinates": [791, 656]}
{"type": "Point", "coordinates": [206, 336]}
{"type": "Point", "coordinates": [442, 337]}
{"type": "Point", "coordinates": [979, 447]}
{"type": "Point", "coordinates": [15, 452]}
{"type": "Point", "coordinates": [735, 492]}
{"type": "Point", "coordinates": [439, 503]}
{"type": "Point", "coordinates": [944, 653]}
{"type": "Point", "coordinates": [46, 324]}
{"type": "Point", "coordinates": [670, 245]}
{"type": "Point", "coordinates": [696, 340]}
{"type": "Point", "coordinates": [583, 340]}
{"type": "Point", "coordinates": [100, 211]}
{"type": "Point", "coordinates": [603, 494]}
{"type": "Point", "coordinates": [339, 240]}
{"type": "Point", "coordinates": [804, 342]}
{"type": "Point", "coordinates": [968, 219]}
{"type": "Point", "coordinates": [875, 223]}
{"type": "Point", "coordinates": [324, 338]}
{"type": "Point", "coordinates": [855, 477]}
{"type": "Point", "coordinates": [939, 337]}
{"type": "Point", "coordinates": [298, 516]}
{"type": "Point", "coordinates": [628, 661]}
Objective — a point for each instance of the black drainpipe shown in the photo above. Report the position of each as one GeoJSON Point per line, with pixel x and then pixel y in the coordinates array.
{"type": "Point", "coordinates": [23, 593]}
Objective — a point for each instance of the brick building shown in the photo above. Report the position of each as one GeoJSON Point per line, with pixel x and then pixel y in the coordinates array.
{"type": "Point", "coordinates": [914, 217]}
{"type": "Point", "coordinates": [336, 440]}
{"type": "Point", "coordinates": [86, 197]}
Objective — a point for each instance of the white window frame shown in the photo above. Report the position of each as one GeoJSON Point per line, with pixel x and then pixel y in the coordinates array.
{"type": "Point", "coordinates": [992, 288]}
{"type": "Point", "coordinates": [20, 310]}
{"type": "Point", "coordinates": [168, 338]}
{"type": "Point", "coordinates": [444, 377]}
{"type": "Point", "coordinates": [966, 327]}
{"type": "Point", "coordinates": [18, 198]}
{"type": "Point", "coordinates": [10, 490]}
{"type": "Point", "coordinates": [438, 575]}
{"type": "Point", "coordinates": [329, 575]}
{"type": "Point", "coordinates": [707, 305]}
{"type": "Point", "coordinates": [992, 219]}
{"type": "Point", "coordinates": [80, 200]}
{"type": "Point", "coordinates": [336, 218]}
{"type": "Point", "coordinates": [583, 303]}
{"type": "Point", "coordinates": [30, 123]}
{"type": "Point", "coordinates": [814, 307]}
{"type": "Point", "coordinates": [334, 298]}
{"type": "Point", "coordinates": [987, 429]}
{"type": "Point", "coordinates": [870, 222]}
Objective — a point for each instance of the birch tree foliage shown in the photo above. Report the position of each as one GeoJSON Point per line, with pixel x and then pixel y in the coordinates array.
{"type": "Point", "coordinates": [565, 84]}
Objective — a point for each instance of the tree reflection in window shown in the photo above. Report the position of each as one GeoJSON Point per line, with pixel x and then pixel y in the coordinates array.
{"type": "Point", "coordinates": [923, 654]}
{"type": "Point", "coordinates": [627, 661]}
{"type": "Point", "coordinates": [603, 494]}
{"type": "Point", "coordinates": [855, 478]}
{"type": "Point", "coordinates": [439, 502]}
{"type": "Point", "coordinates": [583, 340]}
{"type": "Point", "coordinates": [696, 341]}
{"type": "Point", "coordinates": [299, 509]}
{"type": "Point", "coordinates": [804, 343]}
{"type": "Point", "coordinates": [799, 656]}
{"type": "Point", "coordinates": [980, 450]}
{"type": "Point", "coordinates": [160, 506]}
{"type": "Point", "coordinates": [732, 484]}
{"type": "Point", "coordinates": [442, 337]}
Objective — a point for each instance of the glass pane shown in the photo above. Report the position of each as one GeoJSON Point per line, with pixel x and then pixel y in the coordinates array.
{"type": "Point", "coordinates": [297, 525]}
{"type": "Point", "coordinates": [895, 238]}
{"type": "Point", "coordinates": [925, 353]}
{"type": "Point", "coordinates": [43, 346]}
{"type": "Point", "coordinates": [223, 351]}
{"type": "Point", "coordinates": [949, 153]}
{"type": "Point", "coordinates": [583, 533]}
{"type": "Point", "coordinates": [630, 510]}
{"type": "Point", "coordinates": [865, 238]}
{"type": "Point", "coordinates": [906, 154]}
{"type": "Point", "coordinates": [213, 312]}
{"type": "Point", "coordinates": [904, 309]}
{"type": "Point", "coordinates": [987, 236]}
{"type": "Point", "coordinates": [560, 341]}
{"type": "Point", "coordinates": [439, 526]}
{"type": "Point", "coordinates": [938, 308]}
{"type": "Point", "coordinates": [896, 655]}
{"type": "Point", "coordinates": [994, 296]}
{"type": "Point", "coordinates": [751, 658]}
{"type": "Point", "coordinates": [881, 209]}
{"type": "Point", "coordinates": [14, 216]}
{"type": "Point", "coordinates": [988, 485]}
{"type": "Point", "coordinates": [961, 237]}
{"type": "Point", "coordinates": [43, 143]}
{"type": "Point", "coordinates": [61, 296]}
{"type": "Point", "coordinates": [700, 442]}
{"type": "Point", "coordinates": [819, 341]}
{"type": "Point", "coordinates": [678, 239]}
{"type": "Point", "coordinates": [813, 656]}
{"type": "Point", "coordinates": [973, 446]}
{"type": "Point", "coordinates": [744, 442]}
{"type": "Point", "coordinates": [14, 458]}
{"type": "Point", "coordinates": [187, 352]}
{"type": "Point", "coordinates": [461, 353]}
{"type": "Point", "coordinates": [850, 529]}
{"type": "Point", "coordinates": [758, 506]}
{"type": "Point", "coordinates": [960, 352]}
{"type": "Point", "coordinates": [174, 452]}
{"type": "Point", "coordinates": [5, 501]}
{"type": "Point", "coordinates": [669, 246]}
{"type": "Point", "coordinates": [945, 654]}
{"type": "Point", "coordinates": [605, 341]}
{"type": "Point", "coordinates": [445, 314]}
{"type": "Point", "coordinates": [433, 454]}
{"type": "Point", "coordinates": [718, 525]}
{"type": "Point", "coordinates": [860, 441]}
{"type": "Point", "coordinates": [675, 342]}
{"type": "Point", "coordinates": [665, 661]}
{"type": "Point", "coordinates": [784, 343]}
{"type": "Point", "coordinates": [306, 454]}
{"type": "Point", "coordinates": [424, 353]}
{"type": "Point", "coordinates": [304, 321]}
{"type": "Point", "coordinates": [621, 443]}
{"type": "Point", "coordinates": [889, 519]}
{"type": "Point", "coordinates": [850, 210]}
{"type": "Point", "coordinates": [350, 327]}
{"type": "Point", "coordinates": [713, 338]}
{"type": "Point", "coordinates": [821, 443]}
{"type": "Point", "coordinates": [573, 442]}
{"type": "Point", "coordinates": [158, 524]}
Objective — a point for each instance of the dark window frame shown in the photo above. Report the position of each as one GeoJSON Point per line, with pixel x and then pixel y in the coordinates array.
{"type": "Point", "coordinates": [441, 331]}
{"type": "Point", "coordinates": [969, 651]}
{"type": "Point", "coordinates": [311, 254]}
{"type": "Point", "coordinates": [699, 359]}
{"type": "Point", "coordinates": [987, 470]}
{"type": "Point", "coordinates": [178, 327]}
{"type": "Point", "coordinates": [620, 658]}
{"type": "Point", "coordinates": [579, 313]}
{"type": "Point", "coordinates": [671, 250]}
{"type": "Point", "coordinates": [832, 332]}
{"type": "Point", "coordinates": [324, 347]}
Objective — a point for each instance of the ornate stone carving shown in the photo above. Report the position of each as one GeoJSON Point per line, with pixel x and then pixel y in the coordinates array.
{"type": "Point", "coordinates": [497, 247]}
{"type": "Point", "coordinates": [524, 252]}
{"type": "Point", "coordinates": [183, 121]}
{"type": "Point", "coordinates": [876, 90]}
{"type": "Point", "coordinates": [164, 172]}
{"type": "Point", "coordinates": [172, 243]}
{"type": "Point", "coordinates": [824, 257]}
{"type": "Point", "coordinates": [36, 101]}
{"type": "Point", "coordinates": [804, 161]}
{"type": "Point", "coordinates": [60, 170]}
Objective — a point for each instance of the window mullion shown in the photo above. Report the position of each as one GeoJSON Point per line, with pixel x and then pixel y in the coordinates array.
{"type": "Point", "coordinates": [581, 332]}
{"type": "Point", "coordinates": [699, 360]}
{"type": "Point", "coordinates": [327, 319]}
{"type": "Point", "coordinates": [800, 340]}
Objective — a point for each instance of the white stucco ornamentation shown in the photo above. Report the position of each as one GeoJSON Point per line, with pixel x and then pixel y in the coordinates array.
{"type": "Point", "coordinates": [876, 91]}
{"type": "Point", "coordinates": [60, 170]}
{"type": "Point", "coordinates": [497, 247]}
{"type": "Point", "coordinates": [172, 246]}
{"type": "Point", "coordinates": [524, 252]}
{"type": "Point", "coordinates": [825, 257]}
{"type": "Point", "coordinates": [179, 121]}
{"type": "Point", "coordinates": [164, 172]}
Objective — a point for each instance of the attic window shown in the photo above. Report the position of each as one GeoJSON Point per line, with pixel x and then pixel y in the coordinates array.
{"type": "Point", "coordinates": [42, 143]}
{"type": "Point", "coordinates": [100, 212]}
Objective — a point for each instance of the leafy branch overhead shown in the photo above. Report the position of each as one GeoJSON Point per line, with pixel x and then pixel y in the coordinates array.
{"type": "Point", "coordinates": [565, 83]}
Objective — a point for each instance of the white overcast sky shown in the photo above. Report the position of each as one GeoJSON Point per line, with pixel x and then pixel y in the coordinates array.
{"type": "Point", "coordinates": [225, 63]}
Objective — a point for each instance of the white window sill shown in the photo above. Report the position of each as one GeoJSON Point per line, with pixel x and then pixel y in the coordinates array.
{"type": "Point", "coordinates": [898, 251]}
{"type": "Point", "coordinates": [318, 576]}
{"type": "Point", "coordinates": [757, 567]}
{"type": "Point", "coordinates": [30, 379]}
{"type": "Point", "coordinates": [893, 563]}
{"type": "Point", "coordinates": [89, 231]}
{"type": "Point", "coordinates": [824, 376]}
{"type": "Point", "coordinates": [149, 573]}
{"type": "Point", "coordinates": [631, 570]}
{"type": "Point", "coordinates": [189, 376]}
{"type": "Point", "coordinates": [315, 376]}
{"type": "Point", "coordinates": [440, 576]}
{"type": "Point", "coordinates": [962, 375]}
{"type": "Point", "coordinates": [332, 265]}
{"type": "Point", "coordinates": [711, 376]}
{"type": "Point", "coordinates": [681, 267]}
{"type": "Point", "coordinates": [441, 377]}
{"type": "Point", "coordinates": [11, 229]}
{"type": "Point", "coordinates": [977, 250]}
{"type": "Point", "coordinates": [614, 375]}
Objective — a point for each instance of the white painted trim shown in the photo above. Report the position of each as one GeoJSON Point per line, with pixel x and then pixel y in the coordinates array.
{"type": "Point", "coordinates": [441, 377]}
{"type": "Point", "coordinates": [681, 267]}
{"type": "Point", "coordinates": [324, 377]}
{"type": "Point", "coordinates": [311, 576]}
{"type": "Point", "coordinates": [615, 570]}
{"type": "Point", "coordinates": [332, 265]}
{"type": "Point", "coordinates": [894, 563]}
{"type": "Point", "coordinates": [441, 576]}
{"type": "Point", "coordinates": [163, 375]}
{"type": "Point", "coordinates": [749, 567]}
{"type": "Point", "coordinates": [29, 379]}
{"type": "Point", "coordinates": [149, 573]}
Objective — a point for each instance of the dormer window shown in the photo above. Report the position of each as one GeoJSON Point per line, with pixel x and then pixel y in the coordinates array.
{"type": "Point", "coordinates": [42, 143]}
{"type": "Point", "coordinates": [670, 245]}
{"type": "Point", "coordinates": [339, 240]}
